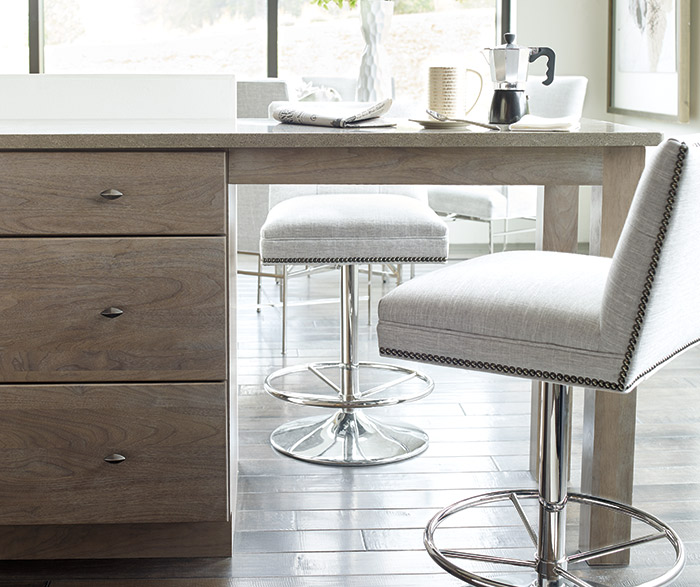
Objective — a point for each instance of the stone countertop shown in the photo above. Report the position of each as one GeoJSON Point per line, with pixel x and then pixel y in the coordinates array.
{"type": "Point", "coordinates": [259, 133]}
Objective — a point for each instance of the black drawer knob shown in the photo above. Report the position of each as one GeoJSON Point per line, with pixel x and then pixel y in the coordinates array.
{"type": "Point", "coordinates": [115, 459]}
{"type": "Point", "coordinates": [112, 312]}
{"type": "Point", "coordinates": [111, 194]}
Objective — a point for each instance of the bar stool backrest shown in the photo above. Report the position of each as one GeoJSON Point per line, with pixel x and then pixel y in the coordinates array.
{"type": "Point", "coordinates": [651, 305]}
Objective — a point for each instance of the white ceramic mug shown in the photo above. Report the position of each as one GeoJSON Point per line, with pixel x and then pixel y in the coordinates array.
{"type": "Point", "coordinates": [447, 90]}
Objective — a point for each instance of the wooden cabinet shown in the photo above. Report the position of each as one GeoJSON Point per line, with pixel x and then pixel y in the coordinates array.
{"type": "Point", "coordinates": [112, 193]}
{"type": "Point", "coordinates": [114, 383]}
{"type": "Point", "coordinates": [113, 309]}
{"type": "Point", "coordinates": [119, 453]}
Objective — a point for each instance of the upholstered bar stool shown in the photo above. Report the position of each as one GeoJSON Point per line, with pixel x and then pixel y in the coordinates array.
{"type": "Point", "coordinates": [564, 319]}
{"type": "Point", "coordinates": [348, 230]}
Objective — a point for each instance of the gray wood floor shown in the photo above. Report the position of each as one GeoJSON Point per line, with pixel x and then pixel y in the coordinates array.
{"type": "Point", "coordinates": [308, 525]}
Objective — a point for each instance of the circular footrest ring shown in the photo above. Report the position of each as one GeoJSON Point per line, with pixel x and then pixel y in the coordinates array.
{"type": "Point", "coordinates": [443, 557]}
{"type": "Point", "coordinates": [416, 385]}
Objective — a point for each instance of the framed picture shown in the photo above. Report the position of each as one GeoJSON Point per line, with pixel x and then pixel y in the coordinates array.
{"type": "Point", "coordinates": [649, 58]}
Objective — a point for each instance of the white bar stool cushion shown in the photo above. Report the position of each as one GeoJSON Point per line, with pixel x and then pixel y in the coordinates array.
{"type": "Point", "coordinates": [482, 311]}
{"type": "Point", "coordinates": [353, 228]}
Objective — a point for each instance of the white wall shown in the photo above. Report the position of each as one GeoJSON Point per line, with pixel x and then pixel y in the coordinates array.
{"type": "Point", "coordinates": [578, 32]}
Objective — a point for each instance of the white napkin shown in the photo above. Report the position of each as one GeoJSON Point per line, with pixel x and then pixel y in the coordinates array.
{"type": "Point", "coordinates": [532, 122]}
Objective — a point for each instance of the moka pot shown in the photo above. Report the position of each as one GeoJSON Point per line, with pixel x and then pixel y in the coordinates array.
{"type": "Point", "coordinates": [509, 66]}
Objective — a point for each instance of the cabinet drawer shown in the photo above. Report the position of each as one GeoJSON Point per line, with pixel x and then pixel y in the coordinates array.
{"type": "Point", "coordinates": [182, 193]}
{"type": "Point", "coordinates": [55, 440]}
{"type": "Point", "coordinates": [171, 292]}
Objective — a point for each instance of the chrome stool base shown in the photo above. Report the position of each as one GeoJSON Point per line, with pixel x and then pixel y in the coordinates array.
{"type": "Point", "coordinates": [445, 557]}
{"type": "Point", "coordinates": [349, 438]}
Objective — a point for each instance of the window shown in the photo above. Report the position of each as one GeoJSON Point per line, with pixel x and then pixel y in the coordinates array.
{"type": "Point", "coordinates": [14, 43]}
{"type": "Point", "coordinates": [315, 41]}
{"type": "Point", "coordinates": [231, 36]}
{"type": "Point", "coordinates": [155, 36]}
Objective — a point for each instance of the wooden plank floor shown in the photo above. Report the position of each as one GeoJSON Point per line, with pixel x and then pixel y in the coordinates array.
{"type": "Point", "coordinates": [305, 525]}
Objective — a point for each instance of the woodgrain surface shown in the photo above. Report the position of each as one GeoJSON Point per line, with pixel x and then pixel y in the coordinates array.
{"type": "Point", "coordinates": [163, 193]}
{"type": "Point", "coordinates": [172, 292]}
{"type": "Point", "coordinates": [55, 440]}
{"type": "Point", "coordinates": [558, 217]}
{"type": "Point", "coordinates": [525, 166]}
{"type": "Point", "coordinates": [304, 525]}
{"type": "Point", "coordinates": [621, 172]}
{"type": "Point", "coordinates": [114, 541]}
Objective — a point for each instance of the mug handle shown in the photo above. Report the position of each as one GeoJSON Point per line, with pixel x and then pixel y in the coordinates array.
{"type": "Point", "coordinates": [478, 95]}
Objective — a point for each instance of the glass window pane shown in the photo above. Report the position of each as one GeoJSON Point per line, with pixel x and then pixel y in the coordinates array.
{"type": "Point", "coordinates": [318, 42]}
{"type": "Point", "coordinates": [156, 36]}
{"type": "Point", "coordinates": [14, 34]}
{"type": "Point", "coordinates": [315, 41]}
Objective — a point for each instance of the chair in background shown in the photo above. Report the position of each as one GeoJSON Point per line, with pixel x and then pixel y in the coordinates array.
{"type": "Point", "coordinates": [254, 96]}
{"type": "Point", "coordinates": [501, 204]}
{"type": "Point", "coordinates": [348, 229]}
{"type": "Point", "coordinates": [563, 320]}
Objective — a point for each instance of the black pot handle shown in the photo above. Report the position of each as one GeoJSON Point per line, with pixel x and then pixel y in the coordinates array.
{"type": "Point", "coordinates": [536, 52]}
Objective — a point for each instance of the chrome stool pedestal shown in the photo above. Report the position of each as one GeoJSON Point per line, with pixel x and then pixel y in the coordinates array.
{"type": "Point", "coordinates": [348, 436]}
{"type": "Point", "coordinates": [550, 562]}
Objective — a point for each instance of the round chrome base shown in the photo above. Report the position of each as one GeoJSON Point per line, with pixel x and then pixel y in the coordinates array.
{"type": "Point", "coordinates": [445, 557]}
{"type": "Point", "coordinates": [349, 438]}
{"type": "Point", "coordinates": [373, 385]}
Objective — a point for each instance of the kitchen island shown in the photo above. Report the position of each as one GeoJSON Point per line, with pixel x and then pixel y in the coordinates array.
{"type": "Point", "coordinates": [118, 308]}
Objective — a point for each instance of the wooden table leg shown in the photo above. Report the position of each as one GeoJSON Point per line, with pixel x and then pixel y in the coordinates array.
{"type": "Point", "coordinates": [557, 214]}
{"type": "Point", "coordinates": [609, 418]}
{"type": "Point", "coordinates": [557, 230]}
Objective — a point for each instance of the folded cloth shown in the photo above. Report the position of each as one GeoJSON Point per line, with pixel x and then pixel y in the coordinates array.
{"type": "Point", "coordinates": [532, 122]}
{"type": "Point", "coordinates": [337, 114]}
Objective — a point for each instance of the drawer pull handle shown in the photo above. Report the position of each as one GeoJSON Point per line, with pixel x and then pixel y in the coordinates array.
{"type": "Point", "coordinates": [112, 312]}
{"type": "Point", "coordinates": [111, 194]}
{"type": "Point", "coordinates": [115, 459]}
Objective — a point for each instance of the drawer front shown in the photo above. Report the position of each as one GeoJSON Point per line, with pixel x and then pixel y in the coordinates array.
{"type": "Point", "coordinates": [61, 298]}
{"type": "Point", "coordinates": [144, 193]}
{"type": "Point", "coordinates": [55, 441]}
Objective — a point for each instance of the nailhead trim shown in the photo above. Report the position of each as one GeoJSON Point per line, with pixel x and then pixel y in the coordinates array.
{"type": "Point", "coordinates": [621, 384]}
{"type": "Point", "coordinates": [498, 368]}
{"type": "Point", "coordinates": [350, 260]}
{"type": "Point", "coordinates": [651, 274]}
{"type": "Point", "coordinates": [644, 373]}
